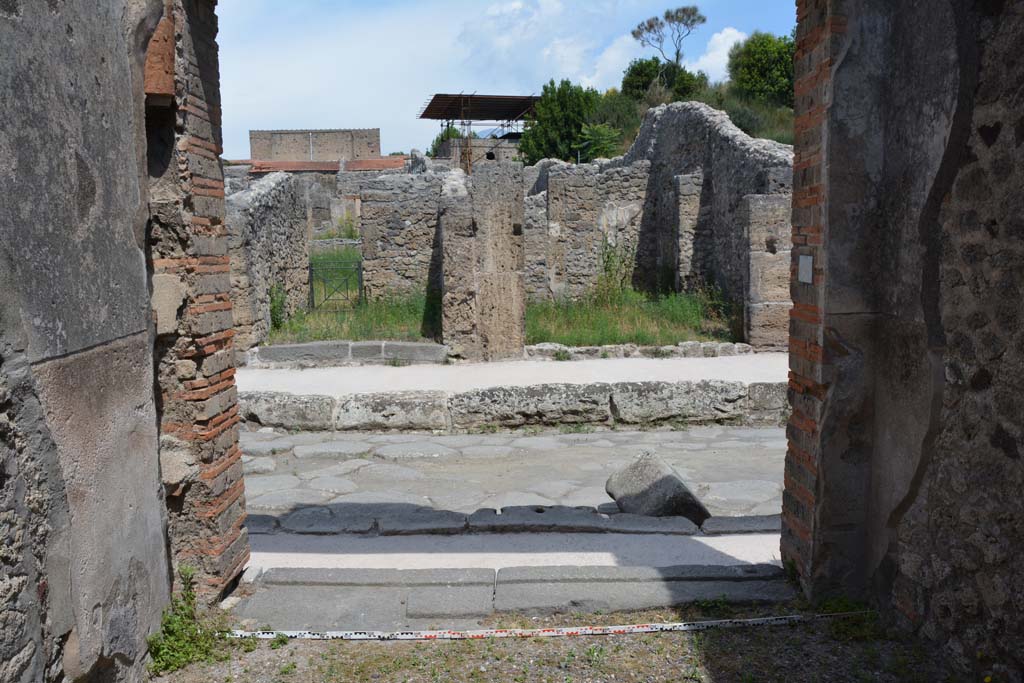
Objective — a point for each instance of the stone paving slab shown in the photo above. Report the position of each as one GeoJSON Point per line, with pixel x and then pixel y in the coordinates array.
{"type": "Point", "coordinates": [494, 551]}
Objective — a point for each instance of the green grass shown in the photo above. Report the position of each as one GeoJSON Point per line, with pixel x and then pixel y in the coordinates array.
{"type": "Point", "coordinates": [348, 253]}
{"type": "Point", "coordinates": [628, 317]}
{"type": "Point", "coordinates": [394, 319]}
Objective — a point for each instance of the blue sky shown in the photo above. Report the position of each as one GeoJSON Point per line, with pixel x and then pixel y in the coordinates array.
{"type": "Point", "coordinates": [372, 64]}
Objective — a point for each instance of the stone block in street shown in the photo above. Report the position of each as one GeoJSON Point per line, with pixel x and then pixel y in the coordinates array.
{"type": "Point", "coordinates": [649, 486]}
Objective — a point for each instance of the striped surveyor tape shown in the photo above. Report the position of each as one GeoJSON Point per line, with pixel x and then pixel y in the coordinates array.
{"type": "Point", "coordinates": [543, 632]}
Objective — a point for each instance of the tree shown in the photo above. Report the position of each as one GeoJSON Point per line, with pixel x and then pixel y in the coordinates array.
{"type": "Point", "coordinates": [676, 25]}
{"type": "Point", "coordinates": [618, 111]}
{"type": "Point", "coordinates": [685, 84]}
{"type": "Point", "coordinates": [761, 68]}
{"type": "Point", "coordinates": [638, 76]}
{"type": "Point", "coordinates": [599, 141]}
{"type": "Point", "coordinates": [555, 129]}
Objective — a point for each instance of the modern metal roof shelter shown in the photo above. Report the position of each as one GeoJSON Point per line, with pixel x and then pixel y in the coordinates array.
{"type": "Point", "coordinates": [495, 109]}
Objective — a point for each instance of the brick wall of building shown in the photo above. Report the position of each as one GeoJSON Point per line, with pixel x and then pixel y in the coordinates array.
{"type": "Point", "coordinates": [200, 457]}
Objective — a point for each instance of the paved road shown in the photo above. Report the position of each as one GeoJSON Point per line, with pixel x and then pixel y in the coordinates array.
{"type": "Point", "coordinates": [735, 471]}
{"type": "Point", "coordinates": [761, 367]}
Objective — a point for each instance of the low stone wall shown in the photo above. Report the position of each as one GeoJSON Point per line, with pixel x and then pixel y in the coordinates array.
{"type": "Point", "coordinates": [549, 351]}
{"type": "Point", "coordinates": [601, 405]}
{"type": "Point", "coordinates": [316, 246]}
{"type": "Point", "coordinates": [268, 238]}
{"type": "Point", "coordinates": [335, 353]}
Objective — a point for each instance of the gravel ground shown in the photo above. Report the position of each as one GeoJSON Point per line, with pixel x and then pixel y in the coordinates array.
{"type": "Point", "coordinates": [839, 651]}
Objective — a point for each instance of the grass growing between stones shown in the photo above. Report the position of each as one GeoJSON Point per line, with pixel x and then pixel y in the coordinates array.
{"type": "Point", "coordinates": [793, 654]}
{"type": "Point", "coordinates": [629, 317]}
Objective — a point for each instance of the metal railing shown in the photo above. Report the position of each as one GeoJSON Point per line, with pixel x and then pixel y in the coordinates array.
{"type": "Point", "coordinates": [335, 285]}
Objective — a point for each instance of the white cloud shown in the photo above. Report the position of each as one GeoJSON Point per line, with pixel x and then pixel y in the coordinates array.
{"type": "Point", "coordinates": [608, 68]}
{"type": "Point", "coordinates": [715, 60]}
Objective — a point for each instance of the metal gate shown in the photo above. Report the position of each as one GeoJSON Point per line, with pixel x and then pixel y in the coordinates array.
{"type": "Point", "coordinates": [335, 285]}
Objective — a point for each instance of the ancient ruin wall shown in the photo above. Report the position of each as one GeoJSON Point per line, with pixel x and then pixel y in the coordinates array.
{"type": "Point", "coordinates": [314, 145]}
{"type": "Point", "coordinates": [481, 232]}
{"type": "Point", "coordinates": [83, 566]}
{"type": "Point", "coordinates": [593, 213]}
{"type": "Point", "coordinates": [692, 139]}
{"type": "Point", "coordinates": [268, 241]}
{"type": "Point", "coordinates": [398, 227]}
{"type": "Point", "coordinates": [903, 474]}
{"type": "Point", "coordinates": [191, 281]}
{"type": "Point", "coordinates": [694, 202]}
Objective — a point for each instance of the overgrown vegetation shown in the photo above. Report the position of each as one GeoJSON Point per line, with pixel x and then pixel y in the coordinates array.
{"type": "Point", "coordinates": [399, 318]}
{"type": "Point", "coordinates": [615, 313]}
{"type": "Point", "coordinates": [185, 637]}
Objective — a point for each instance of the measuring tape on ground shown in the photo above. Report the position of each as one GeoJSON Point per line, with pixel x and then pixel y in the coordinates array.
{"type": "Point", "coordinates": [484, 634]}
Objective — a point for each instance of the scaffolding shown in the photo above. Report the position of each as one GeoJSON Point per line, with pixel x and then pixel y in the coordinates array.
{"type": "Point", "coordinates": [502, 115]}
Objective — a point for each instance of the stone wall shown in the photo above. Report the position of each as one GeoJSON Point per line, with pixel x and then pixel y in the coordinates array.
{"type": "Point", "coordinates": [587, 213]}
{"type": "Point", "coordinates": [314, 145]}
{"type": "Point", "coordinates": [399, 228]}
{"type": "Point", "coordinates": [191, 283]}
{"type": "Point", "coordinates": [83, 565]}
{"type": "Point", "coordinates": [269, 228]}
{"type": "Point", "coordinates": [692, 139]}
{"type": "Point", "coordinates": [903, 476]}
{"type": "Point", "coordinates": [481, 232]}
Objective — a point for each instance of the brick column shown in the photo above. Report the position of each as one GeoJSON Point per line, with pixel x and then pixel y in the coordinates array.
{"type": "Point", "coordinates": [818, 26]}
{"type": "Point", "coordinates": [200, 457]}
